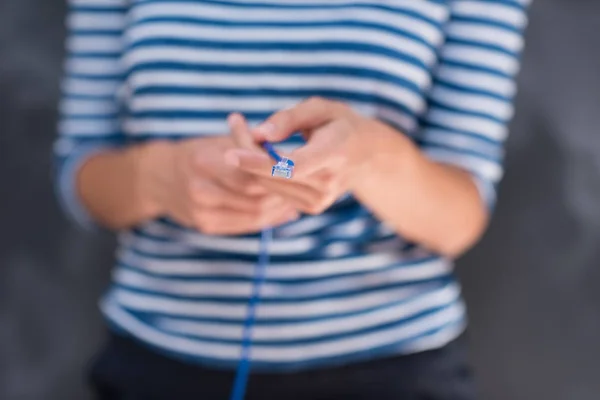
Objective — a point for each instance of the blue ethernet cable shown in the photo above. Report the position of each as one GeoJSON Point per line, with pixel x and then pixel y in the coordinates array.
{"type": "Point", "coordinates": [284, 169]}
{"type": "Point", "coordinates": [243, 369]}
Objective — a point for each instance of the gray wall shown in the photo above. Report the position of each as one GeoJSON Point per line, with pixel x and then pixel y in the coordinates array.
{"type": "Point", "coordinates": [533, 284]}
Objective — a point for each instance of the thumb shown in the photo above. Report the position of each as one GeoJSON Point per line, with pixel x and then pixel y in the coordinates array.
{"type": "Point", "coordinates": [305, 116]}
{"type": "Point", "coordinates": [240, 132]}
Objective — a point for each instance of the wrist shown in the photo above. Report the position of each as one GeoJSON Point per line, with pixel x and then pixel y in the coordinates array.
{"type": "Point", "coordinates": [386, 151]}
{"type": "Point", "coordinates": [151, 162]}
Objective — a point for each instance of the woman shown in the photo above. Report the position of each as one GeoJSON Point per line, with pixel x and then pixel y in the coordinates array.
{"type": "Point", "coordinates": [402, 106]}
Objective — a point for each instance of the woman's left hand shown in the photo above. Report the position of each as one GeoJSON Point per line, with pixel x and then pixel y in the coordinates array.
{"type": "Point", "coordinates": [337, 151]}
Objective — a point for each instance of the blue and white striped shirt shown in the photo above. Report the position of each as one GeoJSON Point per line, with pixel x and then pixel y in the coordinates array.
{"type": "Point", "coordinates": [341, 286]}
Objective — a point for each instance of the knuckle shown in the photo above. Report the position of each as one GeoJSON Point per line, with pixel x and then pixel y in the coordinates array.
{"type": "Point", "coordinates": [314, 209]}
{"type": "Point", "coordinates": [315, 100]}
{"type": "Point", "coordinates": [203, 222]}
{"type": "Point", "coordinates": [199, 194]}
{"type": "Point", "coordinates": [343, 107]}
{"type": "Point", "coordinates": [249, 186]}
{"type": "Point", "coordinates": [209, 199]}
{"type": "Point", "coordinates": [338, 160]}
{"type": "Point", "coordinates": [333, 186]}
{"type": "Point", "coordinates": [244, 188]}
{"type": "Point", "coordinates": [329, 183]}
{"type": "Point", "coordinates": [194, 193]}
{"type": "Point", "coordinates": [263, 220]}
{"type": "Point", "coordinates": [318, 206]}
{"type": "Point", "coordinates": [327, 179]}
{"type": "Point", "coordinates": [197, 160]}
{"type": "Point", "coordinates": [345, 124]}
{"type": "Point", "coordinates": [262, 205]}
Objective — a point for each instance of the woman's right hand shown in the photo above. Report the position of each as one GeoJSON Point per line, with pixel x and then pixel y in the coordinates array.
{"type": "Point", "coordinates": [189, 182]}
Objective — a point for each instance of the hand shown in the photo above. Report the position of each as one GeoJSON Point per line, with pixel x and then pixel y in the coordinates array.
{"type": "Point", "coordinates": [336, 153]}
{"type": "Point", "coordinates": [190, 182]}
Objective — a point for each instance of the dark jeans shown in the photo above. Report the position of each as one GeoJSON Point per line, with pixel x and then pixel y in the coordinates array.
{"type": "Point", "coordinates": [126, 370]}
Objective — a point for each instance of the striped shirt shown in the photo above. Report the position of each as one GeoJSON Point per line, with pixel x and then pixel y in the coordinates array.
{"type": "Point", "coordinates": [342, 286]}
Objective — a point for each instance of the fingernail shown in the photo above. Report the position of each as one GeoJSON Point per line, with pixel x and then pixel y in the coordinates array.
{"type": "Point", "coordinates": [267, 130]}
{"type": "Point", "coordinates": [232, 159]}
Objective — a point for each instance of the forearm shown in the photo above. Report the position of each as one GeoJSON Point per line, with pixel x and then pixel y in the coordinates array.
{"type": "Point", "coordinates": [114, 185]}
{"type": "Point", "coordinates": [436, 205]}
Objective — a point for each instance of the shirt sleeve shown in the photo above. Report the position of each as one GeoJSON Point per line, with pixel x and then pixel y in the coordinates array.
{"type": "Point", "coordinates": [89, 107]}
{"type": "Point", "coordinates": [471, 99]}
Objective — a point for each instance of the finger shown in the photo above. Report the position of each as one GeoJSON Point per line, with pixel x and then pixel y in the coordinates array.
{"type": "Point", "coordinates": [181, 214]}
{"type": "Point", "coordinates": [250, 161]}
{"type": "Point", "coordinates": [211, 195]}
{"type": "Point", "coordinates": [241, 135]}
{"type": "Point", "coordinates": [240, 182]}
{"type": "Point", "coordinates": [241, 132]}
{"type": "Point", "coordinates": [222, 221]}
{"type": "Point", "coordinates": [213, 165]}
{"type": "Point", "coordinates": [324, 151]}
{"type": "Point", "coordinates": [305, 187]}
{"type": "Point", "coordinates": [301, 195]}
{"type": "Point", "coordinates": [307, 183]}
{"type": "Point", "coordinates": [306, 198]}
{"type": "Point", "coordinates": [287, 216]}
{"type": "Point", "coordinates": [259, 164]}
{"type": "Point", "coordinates": [307, 115]}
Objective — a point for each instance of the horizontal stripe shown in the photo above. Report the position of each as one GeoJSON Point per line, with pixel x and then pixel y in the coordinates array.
{"type": "Point", "coordinates": [98, 21]}
{"type": "Point", "coordinates": [71, 127]}
{"type": "Point", "coordinates": [481, 57]}
{"type": "Point", "coordinates": [285, 35]}
{"type": "Point", "coordinates": [100, 44]}
{"type": "Point", "coordinates": [414, 8]}
{"type": "Point", "coordinates": [277, 271]}
{"type": "Point", "coordinates": [214, 99]}
{"type": "Point", "coordinates": [261, 103]}
{"type": "Point", "coordinates": [490, 11]}
{"type": "Point", "coordinates": [169, 125]}
{"type": "Point", "coordinates": [461, 142]}
{"type": "Point", "coordinates": [479, 166]}
{"type": "Point", "coordinates": [294, 332]}
{"type": "Point", "coordinates": [473, 103]}
{"type": "Point", "coordinates": [73, 107]}
{"type": "Point", "coordinates": [509, 40]}
{"type": "Point", "coordinates": [166, 127]}
{"type": "Point", "coordinates": [95, 66]}
{"type": "Point", "coordinates": [274, 82]}
{"type": "Point", "coordinates": [239, 245]}
{"type": "Point", "coordinates": [299, 290]}
{"type": "Point", "coordinates": [482, 126]}
{"type": "Point", "coordinates": [126, 282]}
{"type": "Point", "coordinates": [86, 87]}
{"type": "Point", "coordinates": [214, 12]}
{"type": "Point", "coordinates": [292, 353]}
{"type": "Point", "coordinates": [331, 70]}
{"type": "Point", "coordinates": [208, 56]}
{"type": "Point", "coordinates": [268, 312]}
{"type": "Point", "coordinates": [306, 225]}
{"type": "Point", "coordinates": [98, 3]}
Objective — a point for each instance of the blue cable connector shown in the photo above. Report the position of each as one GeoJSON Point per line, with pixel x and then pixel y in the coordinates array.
{"type": "Point", "coordinates": [284, 167]}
